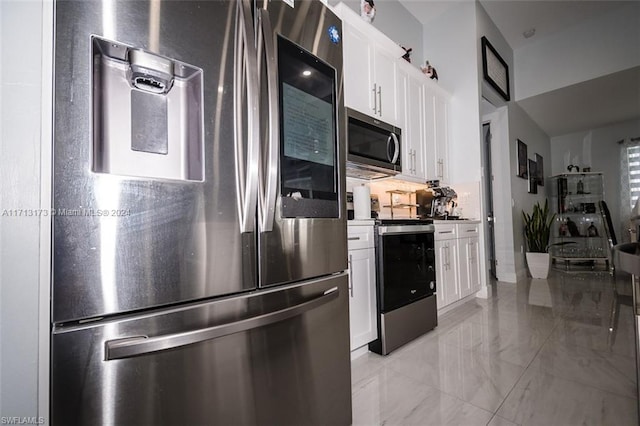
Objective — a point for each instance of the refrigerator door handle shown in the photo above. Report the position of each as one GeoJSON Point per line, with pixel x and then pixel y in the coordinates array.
{"type": "Point", "coordinates": [244, 77]}
{"type": "Point", "coordinates": [270, 176]}
{"type": "Point", "coordinates": [140, 345]}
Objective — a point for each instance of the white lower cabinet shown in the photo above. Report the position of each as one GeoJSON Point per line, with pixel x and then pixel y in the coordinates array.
{"type": "Point", "coordinates": [362, 286]}
{"type": "Point", "coordinates": [469, 258]}
{"type": "Point", "coordinates": [457, 261]}
{"type": "Point", "coordinates": [446, 247]}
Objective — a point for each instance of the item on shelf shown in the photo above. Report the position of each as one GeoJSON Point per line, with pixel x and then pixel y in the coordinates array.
{"type": "Point", "coordinates": [573, 228]}
{"type": "Point", "coordinates": [570, 167]}
{"type": "Point", "coordinates": [589, 207]}
{"type": "Point", "coordinates": [586, 169]}
{"type": "Point", "coordinates": [580, 187]}
{"type": "Point", "coordinates": [592, 231]}
{"type": "Point", "coordinates": [563, 230]}
{"type": "Point", "coordinates": [367, 10]}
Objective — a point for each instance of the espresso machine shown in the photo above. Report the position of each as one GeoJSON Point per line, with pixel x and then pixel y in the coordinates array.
{"type": "Point", "coordinates": [436, 202]}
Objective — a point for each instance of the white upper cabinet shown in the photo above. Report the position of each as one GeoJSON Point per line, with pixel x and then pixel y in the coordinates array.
{"type": "Point", "coordinates": [437, 130]}
{"type": "Point", "coordinates": [411, 113]}
{"type": "Point", "coordinates": [370, 67]}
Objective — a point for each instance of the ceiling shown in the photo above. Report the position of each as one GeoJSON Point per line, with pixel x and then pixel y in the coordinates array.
{"type": "Point", "coordinates": [513, 17]}
{"type": "Point", "coordinates": [594, 103]}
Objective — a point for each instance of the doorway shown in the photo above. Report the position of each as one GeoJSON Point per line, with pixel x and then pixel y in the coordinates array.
{"type": "Point", "coordinates": [488, 190]}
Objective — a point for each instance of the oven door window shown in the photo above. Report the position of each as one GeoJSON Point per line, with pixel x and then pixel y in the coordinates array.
{"type": "Point", "coordinates": [408, 268]}
{"type": "Point", "coordinates": [308, 138]}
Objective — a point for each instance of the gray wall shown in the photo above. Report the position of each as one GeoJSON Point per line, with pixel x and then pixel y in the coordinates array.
{"type": "Point", "coordinates": [20, 159]}
{"type": "Point", "coordinates": [393, 19]}
{"type": "Point", "coordinates": [522, 127]}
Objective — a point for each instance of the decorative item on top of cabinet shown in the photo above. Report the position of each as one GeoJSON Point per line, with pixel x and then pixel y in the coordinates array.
{"type": "Point", "coordinates": [407, 54]}
{"type": "Point", "coordinates": [429, 71]}
{"type": "Point", "coordinates": [367, 10]}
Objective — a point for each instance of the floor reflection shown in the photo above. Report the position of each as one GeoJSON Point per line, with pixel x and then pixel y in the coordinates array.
{"type": "Point", "coordinates": [559, 351]}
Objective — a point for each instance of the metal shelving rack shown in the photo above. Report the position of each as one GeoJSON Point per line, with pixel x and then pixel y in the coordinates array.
{"type": "Point", "coordinates": [578, 229]}
{"type": "Point", "coordinates": [409, 205]}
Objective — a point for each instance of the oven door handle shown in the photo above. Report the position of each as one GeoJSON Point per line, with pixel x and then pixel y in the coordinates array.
{"type": "Point", "coordinates": [408, 229]}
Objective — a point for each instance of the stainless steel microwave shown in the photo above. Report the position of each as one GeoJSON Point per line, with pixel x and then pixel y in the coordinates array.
{"type": "Point", "coordinates": [373, 147]}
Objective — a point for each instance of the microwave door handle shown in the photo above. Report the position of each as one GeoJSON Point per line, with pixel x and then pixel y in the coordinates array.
{"type": "Point", "coordinates": [140, 345]}
{"type": "Point", "coordinates": [396, 152]}
{"type": "Point", "coordinates": [270, 179]}
{"type": "Point", "coordinates": [244, 78]}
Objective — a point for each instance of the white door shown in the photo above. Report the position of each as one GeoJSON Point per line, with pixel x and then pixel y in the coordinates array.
{"type": "Point", "coordinates": [362, 300]}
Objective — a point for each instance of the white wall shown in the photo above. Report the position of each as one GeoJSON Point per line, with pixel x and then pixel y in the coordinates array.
{"type": "Point", "coordinates": [522, 127]}
{"type": "Point", "coordinates": [598, 149]}
{"type": "Point", "coordinates": [393, 19]}
{"type": "Point", "coordinates": [486, 28]}
{"type": "Point", "coordinates": [594, 48]}
{"type": "Point", "coordinates": [20, 157]}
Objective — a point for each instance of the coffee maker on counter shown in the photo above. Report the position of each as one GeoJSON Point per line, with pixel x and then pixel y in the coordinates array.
{"type": "Point", "coordinates": [436, 202]}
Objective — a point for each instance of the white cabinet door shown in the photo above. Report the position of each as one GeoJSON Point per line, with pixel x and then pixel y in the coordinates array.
{"type": "Point", "coordinates": [448, 290]}
{"type": "Point", "coordinates": [441, 123]}
{"type": "Point", "coordinates": [384, 76]}
{"type": "Point", "coordinates": [358, 70]}
{"type": "Point", "coordinates": [410, 110]}
{"type": "Point", "coordinates": [369, 76]}
{"type": "Point", "coordinates": [474, 264]}
{"type": "Point", "coordinates": [362, 300]}
{"type": "Point", "coordinates": [468, 267]}
{"type": "Point", "coordinates": [436, 115]}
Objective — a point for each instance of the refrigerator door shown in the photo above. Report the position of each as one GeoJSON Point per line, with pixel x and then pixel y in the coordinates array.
{"type": "Point", "coordinates": [302, 214]}
{"type": "Point", "coordinates": [156, 153]}
{"type": "Point", "coordinates": [277, 357]}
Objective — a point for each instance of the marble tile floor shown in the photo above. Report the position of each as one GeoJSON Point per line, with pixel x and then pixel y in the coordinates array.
{"type": "Point", "coordinates": [539, 352]}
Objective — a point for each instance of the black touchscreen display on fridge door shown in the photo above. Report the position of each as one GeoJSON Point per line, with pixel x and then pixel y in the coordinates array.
{"type": "Point", "coordinates": [308, 140]}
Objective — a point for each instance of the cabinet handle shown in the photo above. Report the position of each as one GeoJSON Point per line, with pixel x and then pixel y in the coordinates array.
{"type": "Point", "coordinates": [375, 99]}
{"type": "Point", "coordinates": [414, 162]}
{"type": "Point", "coordinates": [353, 238]}
{"type": "Point", "coordinates": [350, 275]}
{"type": "Point", "coordinates": [380, 100]}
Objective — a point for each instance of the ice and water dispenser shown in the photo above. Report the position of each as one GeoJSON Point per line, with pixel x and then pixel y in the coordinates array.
{"type": "Point", "coordinates": [148, 114]}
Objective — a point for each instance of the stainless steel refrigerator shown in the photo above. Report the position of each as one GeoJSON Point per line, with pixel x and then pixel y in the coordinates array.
{"type": "Point", "coordinates": [199, 236]}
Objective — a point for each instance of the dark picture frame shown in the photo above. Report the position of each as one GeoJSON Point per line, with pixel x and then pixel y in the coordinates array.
{"type": "Point", "coordinates": [540, 170]}
{"type": "Point", "coordinates": [533, 177]}
{"type": "Point", "coordinates": [495, 70]}
{"type": "Point", "coordinates": [521, 165]}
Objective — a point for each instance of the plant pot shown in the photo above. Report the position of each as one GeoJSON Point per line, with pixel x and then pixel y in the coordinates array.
{"type": "Point", "coordinates": [539, 264]}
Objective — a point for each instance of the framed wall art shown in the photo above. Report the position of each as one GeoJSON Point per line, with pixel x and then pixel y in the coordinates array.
{"type": "Point", "coordinates": [495, 70]}
{"type": "Point", "coordinates": [533, 177]}
{"type": "Point", "coordinates": [521, 166]}
{"type": "Point", "coordinates": [539, 170]}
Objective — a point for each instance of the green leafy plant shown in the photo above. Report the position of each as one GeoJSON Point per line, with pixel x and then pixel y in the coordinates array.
{"type": "Point", "coordinates": [537, 228]}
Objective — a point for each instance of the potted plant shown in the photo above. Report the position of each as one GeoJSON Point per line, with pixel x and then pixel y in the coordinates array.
{"type": "Point", "coordinates": [537, 230]}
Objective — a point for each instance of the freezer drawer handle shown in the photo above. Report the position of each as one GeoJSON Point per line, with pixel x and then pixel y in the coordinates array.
{"type": "Point", "coordinates": [134, 346]}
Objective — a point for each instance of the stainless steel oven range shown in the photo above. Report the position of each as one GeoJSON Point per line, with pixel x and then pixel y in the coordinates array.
{"type": "Point", "coordinates": [406, 282]}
